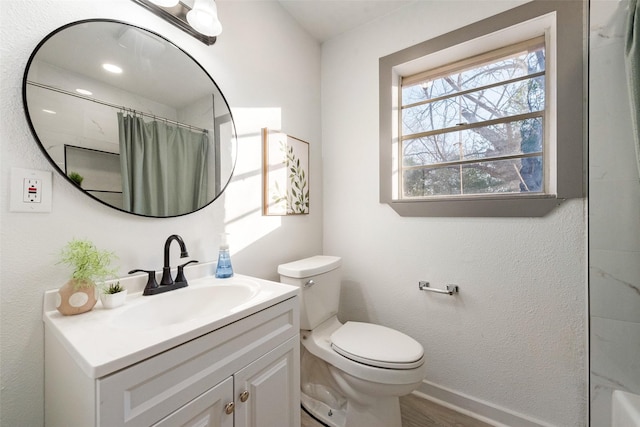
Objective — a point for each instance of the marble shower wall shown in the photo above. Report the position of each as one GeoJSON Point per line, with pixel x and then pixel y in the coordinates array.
{"type": "Point", "coordinates": [614, 217]}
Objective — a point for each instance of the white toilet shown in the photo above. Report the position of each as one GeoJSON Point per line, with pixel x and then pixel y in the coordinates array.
{"type": "Point", "coordinates": [351, 374]}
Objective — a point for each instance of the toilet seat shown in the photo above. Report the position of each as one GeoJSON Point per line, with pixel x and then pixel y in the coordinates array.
{"type": "Point", "coordinates": [377, 346]}
{"type": "Point", "coordinates": [318, 343]}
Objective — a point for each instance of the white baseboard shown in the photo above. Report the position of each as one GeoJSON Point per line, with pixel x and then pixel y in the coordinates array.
{"type": "Point", "coordinates": [475, 408]}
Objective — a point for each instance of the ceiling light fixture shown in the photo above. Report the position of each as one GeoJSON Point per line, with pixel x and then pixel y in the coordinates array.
{"type": "Point", "coordinates": [112, 68]}
{"type": "Point", "coordinates": [165, 3]}
{"type": "Point", "coordinates": [84, 92]}
{"type": "Point", "coordinates": [199, 18]}
{"type": "Point", "coordinates": [204, 18]}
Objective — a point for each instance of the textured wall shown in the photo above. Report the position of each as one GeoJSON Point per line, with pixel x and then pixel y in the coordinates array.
{"type": "Point", "coordinates": [515, 337]}
{"type": "Point", "coordinates": [269, 71]}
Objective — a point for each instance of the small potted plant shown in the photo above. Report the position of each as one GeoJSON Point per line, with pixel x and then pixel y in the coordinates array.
{"type": "Point", "coordinates": [90, 265]}
{"type": "Point", "coordinates": [113, 295]}
{"type": "Point", "coordinates": [76, 178]}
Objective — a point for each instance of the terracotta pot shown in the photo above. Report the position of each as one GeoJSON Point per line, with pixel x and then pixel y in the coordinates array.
{"type": "Point", "coordinates": [76, 297]}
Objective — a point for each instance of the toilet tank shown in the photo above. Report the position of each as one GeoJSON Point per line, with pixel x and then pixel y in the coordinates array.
{"type": "Point", "coordinates": [319, 280]}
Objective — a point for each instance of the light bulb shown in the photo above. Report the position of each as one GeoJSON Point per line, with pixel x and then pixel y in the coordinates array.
{"type": "Point", "coordinates": [204, 18]}
{"type": "Point", "coordinates": [165, 3]}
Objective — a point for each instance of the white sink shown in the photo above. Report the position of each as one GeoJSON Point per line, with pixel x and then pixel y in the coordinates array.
{"type": "Point", "coordinates": [625, 409]}
{"type": "Point", "coordinates": [103, 341]}
{"type": "Point", "coordinates": [202, 298]}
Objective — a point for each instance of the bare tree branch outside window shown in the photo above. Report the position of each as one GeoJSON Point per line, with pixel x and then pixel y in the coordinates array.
{"type": "Point", "coordinates": [478, 129]}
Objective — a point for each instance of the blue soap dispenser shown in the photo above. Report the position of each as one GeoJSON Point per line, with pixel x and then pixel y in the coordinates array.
{"type": "Point", "coordinates": [224, 269]}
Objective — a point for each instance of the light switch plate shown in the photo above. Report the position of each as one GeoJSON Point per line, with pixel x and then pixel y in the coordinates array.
{"type": "Point", "coordinates": [30, 190]}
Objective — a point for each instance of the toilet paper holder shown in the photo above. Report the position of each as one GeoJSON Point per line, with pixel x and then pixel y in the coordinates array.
{"type": "Point", "coordinates": [450, 289]}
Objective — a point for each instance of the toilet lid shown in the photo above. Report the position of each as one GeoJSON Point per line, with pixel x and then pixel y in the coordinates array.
{"type": "Point", "coordinates": [377, 345]}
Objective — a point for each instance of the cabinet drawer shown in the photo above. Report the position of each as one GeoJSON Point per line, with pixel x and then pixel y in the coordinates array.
{"type": "Point", "coordinates": [145, 393]}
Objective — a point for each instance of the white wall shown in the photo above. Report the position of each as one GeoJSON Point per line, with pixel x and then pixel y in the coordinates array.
{"type": "Point", "coordinates": [514, 340]}
{"type": "Point", "coordinates": [269, 71]}
{"type": "Point", "coordinates": [614, 217]}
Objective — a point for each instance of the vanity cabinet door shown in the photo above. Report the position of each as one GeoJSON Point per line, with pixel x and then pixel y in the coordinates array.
{"type": "Point", "coordinates": [147, 392]}
{"type": "Point", "coordinates": [267, 392]}
{"type": "Point", "coordinates": [208, 410]}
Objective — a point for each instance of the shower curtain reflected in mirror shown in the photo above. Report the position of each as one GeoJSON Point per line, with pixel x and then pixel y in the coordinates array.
{"type": "Point", "coordinates": [164, 167]}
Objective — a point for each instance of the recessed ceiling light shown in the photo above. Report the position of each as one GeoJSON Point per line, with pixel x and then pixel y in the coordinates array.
{"type": "Point", "coordinates": [112, 68]}
{"type": "Point", "coordinates": [84, 92]}
{"type": "Point", "coordinates": [49, 111]}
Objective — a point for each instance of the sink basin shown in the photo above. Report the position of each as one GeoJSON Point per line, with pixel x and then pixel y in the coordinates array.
{"type": "Point", "coordinates": [201, 298]}
{"type": "Point", "coordinates": [148, 325]}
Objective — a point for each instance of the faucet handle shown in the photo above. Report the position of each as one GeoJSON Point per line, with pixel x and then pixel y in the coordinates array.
{"type": "Point", "coordinates": [180, 276]}
{"type": "Point", "coordinates": [152, 285]}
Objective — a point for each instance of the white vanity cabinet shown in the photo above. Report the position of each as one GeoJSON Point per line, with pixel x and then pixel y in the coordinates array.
{"type": "Point", "coordinates": [244, 374]}
{"type": "Point", "coordinates": [268, 390]}
{"type": "Point", "coordinates": [206, 410]}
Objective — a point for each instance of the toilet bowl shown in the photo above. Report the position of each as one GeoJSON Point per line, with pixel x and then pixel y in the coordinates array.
{"type": "Point", "coordinates": [352, 374]}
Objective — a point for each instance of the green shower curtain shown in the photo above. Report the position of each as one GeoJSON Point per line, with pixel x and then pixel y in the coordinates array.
{"type": "Point", "coordinates": [164, 167]}
{"type": "Point", "coordinates": [632, 56]}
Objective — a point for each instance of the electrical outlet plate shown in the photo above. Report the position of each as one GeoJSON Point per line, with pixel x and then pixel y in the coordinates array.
{"type": "Point", "coordinates": [31, 190]}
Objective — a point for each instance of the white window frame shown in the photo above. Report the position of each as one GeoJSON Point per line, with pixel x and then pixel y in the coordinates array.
{"type": "Point", "coordinates": [562, 23]}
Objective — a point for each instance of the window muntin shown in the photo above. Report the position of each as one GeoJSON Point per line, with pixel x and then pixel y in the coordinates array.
{"type": "Point", "coordinates": [476, 126]}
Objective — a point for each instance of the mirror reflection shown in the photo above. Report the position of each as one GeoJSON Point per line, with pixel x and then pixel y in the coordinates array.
{"type": "Point", "coordinates": [129, 118]}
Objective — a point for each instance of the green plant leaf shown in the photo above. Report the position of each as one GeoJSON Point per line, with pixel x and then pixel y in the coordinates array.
{"type": "Point", "coordinates": [88, 263]}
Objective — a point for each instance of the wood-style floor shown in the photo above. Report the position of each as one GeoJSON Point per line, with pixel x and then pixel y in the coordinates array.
{"type": "Point", "coordinates": [418, 412]}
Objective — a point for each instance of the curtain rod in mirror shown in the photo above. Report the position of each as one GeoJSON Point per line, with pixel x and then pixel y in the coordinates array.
{"type": "Point", "coordinates": [177, 15]}
{"type": "Point", "coordinates": [118, 107]}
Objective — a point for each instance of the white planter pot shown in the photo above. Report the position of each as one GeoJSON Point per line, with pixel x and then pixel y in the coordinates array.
{"type": "Point", "coordinates": [113, 300]}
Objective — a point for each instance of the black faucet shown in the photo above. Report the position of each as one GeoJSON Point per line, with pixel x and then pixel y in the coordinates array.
{"type": "Point", "coordinates": [167, 283]}
{"type": "Point", "coordinates": [166, 269]}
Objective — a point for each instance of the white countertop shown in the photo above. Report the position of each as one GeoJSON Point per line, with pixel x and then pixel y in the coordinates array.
{"type": "Point", "coordinates": [100, 344]}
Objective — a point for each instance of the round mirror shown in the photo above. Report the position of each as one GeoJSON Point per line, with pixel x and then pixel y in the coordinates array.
{"type": "Point", "coordinates": [129, 118]}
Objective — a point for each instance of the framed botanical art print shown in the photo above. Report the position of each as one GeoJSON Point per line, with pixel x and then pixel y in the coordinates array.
{"type": "Point", "coordinates": [285, 174]}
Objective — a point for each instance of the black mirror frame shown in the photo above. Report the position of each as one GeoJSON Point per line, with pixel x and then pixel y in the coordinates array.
{"type": "Point", "coordinates": [61, 172]}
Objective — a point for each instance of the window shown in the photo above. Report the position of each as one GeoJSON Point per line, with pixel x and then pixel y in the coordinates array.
{"type": "Point", "coordinates": [479, 134]}
{"type": "Point", "coordinates": [476, 126]}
